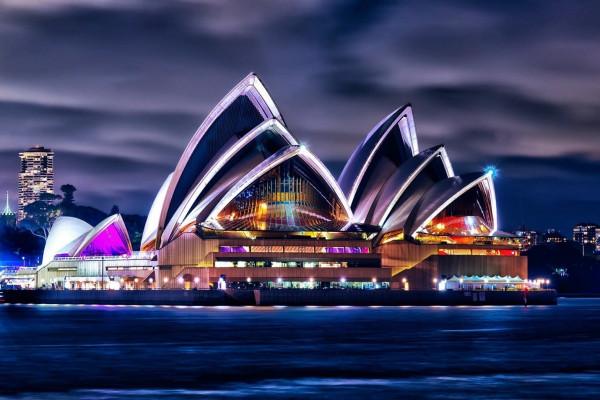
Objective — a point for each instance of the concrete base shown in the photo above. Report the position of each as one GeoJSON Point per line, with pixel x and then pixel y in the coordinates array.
{"type": "Point", "coordinates": [287, 297]}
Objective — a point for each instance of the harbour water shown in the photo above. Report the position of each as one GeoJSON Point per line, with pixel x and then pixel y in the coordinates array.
{"type": "Point", "coordinates": [153, 352]}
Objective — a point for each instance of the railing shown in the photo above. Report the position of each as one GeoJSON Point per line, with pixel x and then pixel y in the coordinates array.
{"type": "Point", "coordinates": [146, 256]}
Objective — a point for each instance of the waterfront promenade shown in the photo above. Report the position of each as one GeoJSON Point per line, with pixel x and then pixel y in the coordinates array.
{"type": "Point", "coordinates": [288, 297]}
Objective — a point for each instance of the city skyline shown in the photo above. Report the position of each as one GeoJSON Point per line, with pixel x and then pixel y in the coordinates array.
{"type": "Point", "coordinates": [532, 117]}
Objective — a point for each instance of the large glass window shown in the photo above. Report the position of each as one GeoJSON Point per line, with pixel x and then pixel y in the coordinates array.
{"type": "Point", "coordinates": [290, 197]}
{"type": "Point", "coordinates": [234, 249]}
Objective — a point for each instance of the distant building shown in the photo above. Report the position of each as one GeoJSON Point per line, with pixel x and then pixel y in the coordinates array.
{"type": "Point", "coordinates": [36, 176]}
{"type": "Point", "coordinates": [7, 216]}
{"type": "Point", "coordinates": [529, 238]}
{"type": "Point", "coordinates": [554, 236]}
{"type": "Point", "coordinates": [587, 235]}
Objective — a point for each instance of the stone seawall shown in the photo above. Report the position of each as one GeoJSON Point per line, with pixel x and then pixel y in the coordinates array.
{"type": "Point", "coordinates": [287, 297]}
{"type": "Point", "coordinates": [401, 297]}
{"type": "Point", "coordinates": [118, 297]}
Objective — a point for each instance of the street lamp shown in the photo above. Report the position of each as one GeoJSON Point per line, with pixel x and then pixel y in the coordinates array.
{"type": "Point", "coordinates": [435, 281]}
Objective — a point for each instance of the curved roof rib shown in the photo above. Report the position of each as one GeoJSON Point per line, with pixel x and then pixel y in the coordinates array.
{"type": "Point", "coordinates": [394, 134]}
{"type": "Point", "coordinates": [258, 144]}
{"type": "Point", "coordinates": [65, 235]}
{"type": "Point", "coordinates": [247, 105]}
{"type": "Point", "coordinates": [151, 226]}
{"type": "Point", "coordinates": [434, 161]}
{"type": "Point", "coordinates": [446, 192]}
{"type": "Point", "coordinates": [281, 156]}
{"type": "Point", "coordinates": [108, 238]}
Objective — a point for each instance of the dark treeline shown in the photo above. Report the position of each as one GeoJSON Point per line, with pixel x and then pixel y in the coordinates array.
{"type": "Point", "coordinates": [565, 266]}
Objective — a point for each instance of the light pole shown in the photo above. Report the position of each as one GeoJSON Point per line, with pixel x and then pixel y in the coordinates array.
{"type": "Point", "coordinates": [405, 283]}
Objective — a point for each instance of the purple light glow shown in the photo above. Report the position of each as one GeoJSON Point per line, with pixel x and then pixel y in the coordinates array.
{"type": "Point", "coordinates": [234, 249]}
{"type": "Point", "coordinates": [347, 250]}
{"type": "Point", "coordinates": [110, 242]}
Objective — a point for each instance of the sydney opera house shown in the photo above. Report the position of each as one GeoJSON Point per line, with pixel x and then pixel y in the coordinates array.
{"type": "Point", "coordinates": [248, 206]}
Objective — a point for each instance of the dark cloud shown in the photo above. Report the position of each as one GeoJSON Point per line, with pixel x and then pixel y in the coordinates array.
{"type": "Point", "coordinates": [117, 88]}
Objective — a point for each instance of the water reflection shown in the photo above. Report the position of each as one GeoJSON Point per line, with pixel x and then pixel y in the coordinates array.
{"type": "Point", "coordinates": [91, 352]}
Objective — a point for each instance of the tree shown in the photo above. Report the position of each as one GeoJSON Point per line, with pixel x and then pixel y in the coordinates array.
{"type": "Point", "coordinates": [114, 210]}
{"type": "Point", "coordinates": [40, 215]}
{"type": "Point", "coordinates": [68, 197]}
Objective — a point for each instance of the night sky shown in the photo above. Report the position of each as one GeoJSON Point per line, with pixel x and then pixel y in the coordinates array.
{"type": "Point", "coordinates": [117, 88]}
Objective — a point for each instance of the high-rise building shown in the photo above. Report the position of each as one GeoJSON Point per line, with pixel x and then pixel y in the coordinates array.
{"type": "Point", "coordinates": [587, 235]}
{"type": "Point", "coordinates": [36, 176]}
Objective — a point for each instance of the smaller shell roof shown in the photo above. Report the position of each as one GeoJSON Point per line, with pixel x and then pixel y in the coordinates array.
{"type": "Point", "coordinates": [108, 238]}
{"type": "Point", "coordinates": [65, 235]}
{"type": "Point", "coordinates": [74, 237]}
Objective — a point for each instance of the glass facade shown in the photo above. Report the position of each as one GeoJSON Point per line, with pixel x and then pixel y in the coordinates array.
{"type": "Point", "coordinates": [290, 197]}
{"type": "Point", "coordinates": [307, 284]}
{"type": "Point", "coordinates": [296, 249]}
{"type": "Point", "coordinates": [296, 263]}
{"type": "Point", "coordinates": [478, 252]}
{"type": "Point", "coordinates": [468, 215]}
{"type": "Point", "coordinates": [425, 238]}
{"type": "Point", "coordinates": [460, 226]}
